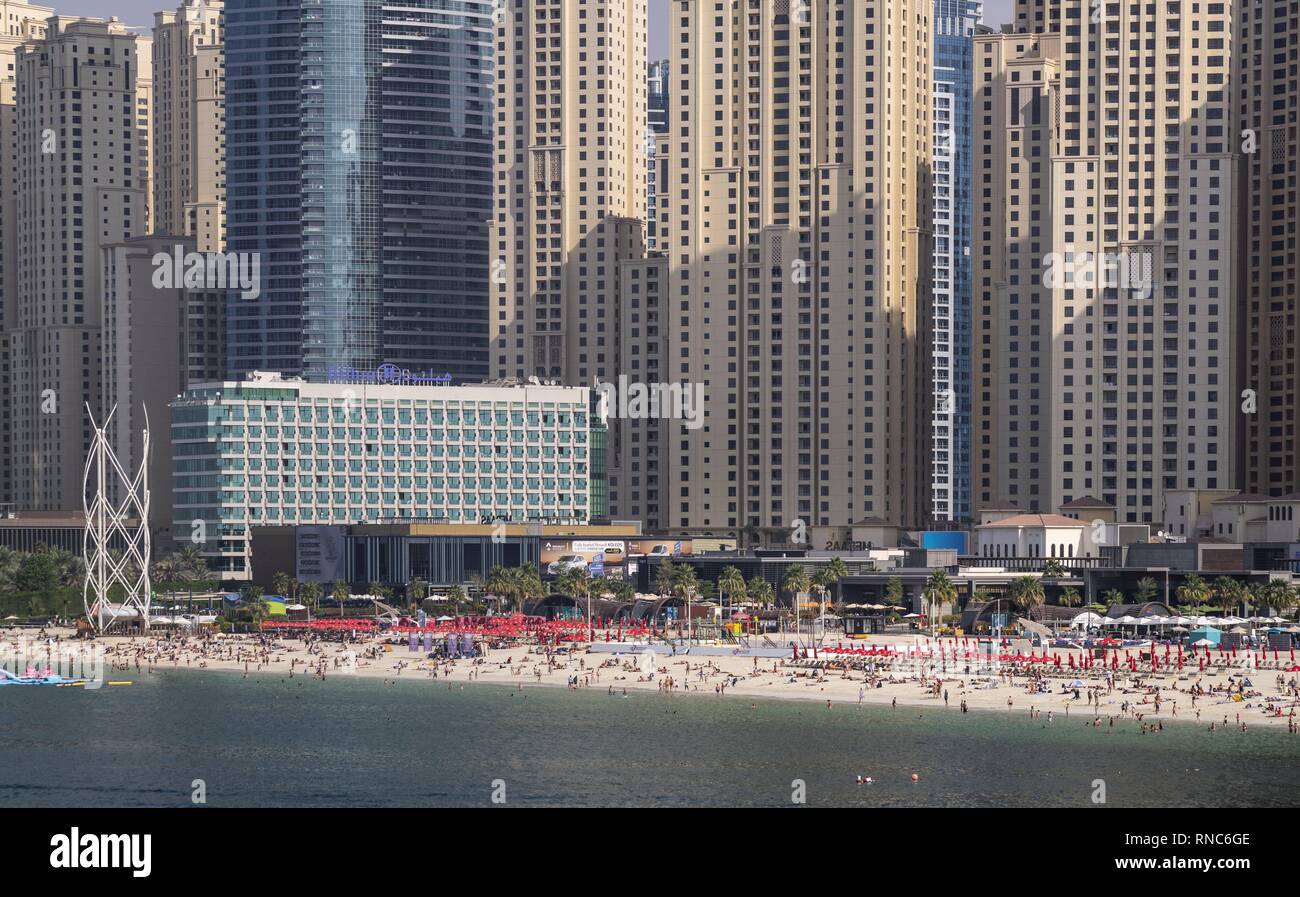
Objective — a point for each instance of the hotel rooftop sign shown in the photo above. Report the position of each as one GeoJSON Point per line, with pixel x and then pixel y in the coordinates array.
{"type": "Point", "coordinates": [385, 375]}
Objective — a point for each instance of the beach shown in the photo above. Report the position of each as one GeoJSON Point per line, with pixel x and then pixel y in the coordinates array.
{"type": "Point", "coordinates": [1104, 698]}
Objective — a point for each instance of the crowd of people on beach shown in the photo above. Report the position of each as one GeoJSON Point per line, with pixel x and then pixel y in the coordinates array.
{"type": "Point", "coordinates": [1105, 696]}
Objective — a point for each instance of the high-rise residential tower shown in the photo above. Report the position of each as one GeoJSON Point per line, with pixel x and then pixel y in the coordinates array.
{"type": "Point", "coordinates": [359, 171]}
{"type": "Point", "coordinates": [189, 141]}
{"type": "Point", "coordinates": [1106, 256]}
{"type": "Point", "coordinates": [955, 22]}
{"type": "Point", "coordinates": [570, 183]}
{"type": "Point", "coordinates": [797, 235]}
{"type": "Point", "coordinates": [1268, 45]}
{"type": "Point", "coordinates": [19, 22]}
{"type": "Point", "coordinates": [82, 183]}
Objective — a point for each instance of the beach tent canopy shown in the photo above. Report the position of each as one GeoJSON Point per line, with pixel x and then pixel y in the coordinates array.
{"type": "Point", "coordinates": [1205, 633]}
{"type": "Point", "coordinates": [1087, 618]}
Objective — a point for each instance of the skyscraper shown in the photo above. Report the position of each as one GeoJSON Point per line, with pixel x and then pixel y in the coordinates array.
{"type": "Point", "coordinates": [955, 22]}
{"type": "Point", "coordinates": [1268, 43]}
{"type": "Point", "coordinates": [359, 169]}
{"type": "Point", "coordinates": [1106, 257]}
{"type": "Point", "coordinates": [570, 183]}
{"type": "Point", "coordinates": [189, 185]}
{"type": "Point", "coordinates": [82, 183]}
{"type": "Point", "coordinates": [19, 22]}
{"type": "Point", "coordinates": [797, 236]}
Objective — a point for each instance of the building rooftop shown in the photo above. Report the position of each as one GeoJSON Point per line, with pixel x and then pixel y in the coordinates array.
{"type": "Point", "coordinates": [1034, 520]}
{"type": "Point", "coordinates": [1087, 501]}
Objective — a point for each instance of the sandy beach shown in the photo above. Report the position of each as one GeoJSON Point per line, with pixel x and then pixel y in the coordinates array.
{"type": "Point", "coordinates": [1107, 698]}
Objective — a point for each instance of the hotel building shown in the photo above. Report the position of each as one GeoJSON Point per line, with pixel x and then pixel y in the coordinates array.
{"type": "Point", "coordinates": [270, 451]}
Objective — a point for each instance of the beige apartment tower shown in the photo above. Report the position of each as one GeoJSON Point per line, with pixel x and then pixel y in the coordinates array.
{"type": "Point", "coordinates": [1106, 257]}
{"type": "Point", "coordinates": [19, 22]}
{"type": "Point", "coordinates": [83, 100]}
{"type": "Point", "coordinates": [189, 184]}
{"type": "Point", "coordinates": [1268, 44]}
{"type": "Point", "coordinates": [570, 174]}
{"type": "Point", "coordinates": [796, 216]}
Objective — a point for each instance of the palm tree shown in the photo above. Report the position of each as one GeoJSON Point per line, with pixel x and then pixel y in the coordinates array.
{"type": "Point", "coordinates": [795, 583]}
{"type": "Point", "coordinates": [686, 584]}
{"type": "Point", "coordinates": [1069, 597]}
{"type": "Point", "coordinates": [1192, 590]}
{"type": "Point", "coordinates": [528, 584]}
{"type": "Point", "coordinates": [1027, 594]}
{"type": "Point", "coordinates": [731, 582]}
{"type": "Point", "coordinates": [827, 579]}
{"type": "Point", "coordinates": [501, 583]}
{"type": "Point", "coordinates": [1147, 589]}
{"type": "Point", "coordinates": [621, 590]}
{"type": "Point", "coordinates": [416, 589]}
{"type": "Point", "coordinates": [280, 582]}
{"type": "Point", "coordinates": [759, 591]}
{"type": "Point", "coordinates": [1274, 595]}
{"type": "Point", "coordinates": [665, 576]}
{"type": "Point", "coordinates": [455, 597]}
{"type": "Point", "coordinates": [1112, 597]}
{"type": "Point", "coordinates": [939, 589]}
{"type": "Point", "coordinates": [310, 594]}
{"type": "Point", "coordinates": [894, 591]}
{"type": "Point", "coordinates": [1053, 569]}
{"type": "Point", "coordinates": [1230, 592]}
{"type": "Point", "coordinates": [341, 593]}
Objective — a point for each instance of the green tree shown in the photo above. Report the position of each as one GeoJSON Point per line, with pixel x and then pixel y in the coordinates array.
{"type": "Point", "coordinates": [1053, 569]}
{"type": "Point", "coordinates": [1112, 597]}
{"type": "Point", "coordinates": [309, 593]}
{"type": "Point", "coordinates": [341, 593]}
{"type": "Point", "coordinates": [1070, 597]}
{"type": "Point", "coordinates": [1192, 590]}
{"type": "Point", "coordinates": [280, 582]}
{"type": "Point", "coordinates": [665, 577]}
{"type": "Point", "coordinates": [894, 591]}
{"type": "Point", "coordinates": [829, 576]}
{"type": "Point", "coordinates": [1230, 592]}
{"type": "Point", "coordinates": [455, 597]}
{"type": "Point", "coordinates": [731, 584]}
{"type": "Point", "coordinates": [795, 583]}
{"type": "Point", "coordinates": [759, 591]}
{"type": "Point", "coordinates": [686, 585]}
{"type": "Point", "coordinates": [1026, 593]}
{"type": "Point", "coordinates": [939, 590]}
{"type": "Point", "coordinates": [37, 573]}
{"type": "Point", "coordinates": [1147, 589]}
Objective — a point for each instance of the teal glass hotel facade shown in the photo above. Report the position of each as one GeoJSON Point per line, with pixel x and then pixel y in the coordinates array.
{"type": "Point", "coordinates": [270, 451]}
{"type": "Point", "coordinates": [360, 170]}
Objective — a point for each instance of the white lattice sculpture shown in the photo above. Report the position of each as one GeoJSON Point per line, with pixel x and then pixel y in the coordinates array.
{"type": "Point", "coordinates": [125, 518]}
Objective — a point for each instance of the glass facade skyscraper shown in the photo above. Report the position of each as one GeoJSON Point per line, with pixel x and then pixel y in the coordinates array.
{"type": "Point", "coordinates": [955, 22]}
{"type": "Point", "coordinates": [361, 170]}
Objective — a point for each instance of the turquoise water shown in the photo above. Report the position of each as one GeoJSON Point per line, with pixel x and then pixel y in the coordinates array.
{"type": "Point", "coordinates": [358, 742]}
